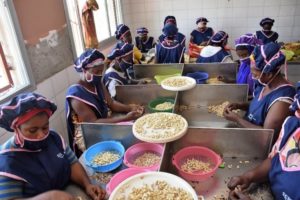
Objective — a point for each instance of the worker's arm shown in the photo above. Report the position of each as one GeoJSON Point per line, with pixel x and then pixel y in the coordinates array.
{"type": "Point", "coordinates": [86, 114]}
{"type": "Point", "coordinates": [79, 176]}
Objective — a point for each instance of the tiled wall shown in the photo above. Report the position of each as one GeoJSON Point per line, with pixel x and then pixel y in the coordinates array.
{"type": "Point", "coordinates": [236, 17]}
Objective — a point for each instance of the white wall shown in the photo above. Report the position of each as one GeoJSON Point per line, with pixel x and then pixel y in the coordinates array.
{"type": "Point", "coordinates": [236, 17]}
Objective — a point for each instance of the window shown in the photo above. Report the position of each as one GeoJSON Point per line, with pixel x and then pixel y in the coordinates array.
{"type": "Point", "coordinates": [15, 75]}
{"type": "Point", "coordinates": [106, 19]}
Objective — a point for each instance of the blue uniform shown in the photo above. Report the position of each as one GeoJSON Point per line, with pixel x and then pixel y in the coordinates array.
{"type": "Point", "coordinates": [180, 38]}
{"type": "Point", "coordinates": [284, 175]}
{"type": "Point", "coordinates": [267, 39]}
{"type": "Point", "coordinates": [94, 99]}
{"type": "Point", "coordinates": [144, 47]}
{"type": "Point", "coordinates": [169, 53]}
{"type": "Point", "coordinates": [215, 57]}
{"type": "Point", "coordinates": [199, 37]}
{"type": "Point", "coordinates": [259, 106]}
{"type": "Point", "coordinates": [244, 75]}
{"type": "Point", "coordinates": [39, 171]}
{"type": "Point", "coordinates": [112, 78]}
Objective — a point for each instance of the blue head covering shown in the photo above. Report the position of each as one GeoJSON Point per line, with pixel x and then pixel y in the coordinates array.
{"type": "Point", "coordinates": [268, 58]}
{"type": "Point", "coordinates": [248, 41]}
{"type": "Point", "coordinates": [89, 59]}
{"type": "Point", "coordinates": [20, 105]}
{"type": "Point", "coordinates": [122, 29]}
{"type": "Point", "coordinates": [296, 104]}
{"type": "Point", "coordinates": [201, 19]}
{"type": "Point", "coordinates": [219, 38]}
{"type": "Point", "coordinates": [266, 20]}
{"type": "Point", "coordinates": [142, 31]}
{"type": "Point", "coordinates": [170, 30]}
{"type": "Point", "coordinates": [170, 19]}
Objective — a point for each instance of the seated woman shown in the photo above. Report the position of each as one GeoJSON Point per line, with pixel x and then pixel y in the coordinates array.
{"type": "Point", "coordinates": [142, 41]}
{"type": "Point", "coordinates": [202, 34]}
{"type": "Point", "coordinates": [89, 101]}
{"type": "Point", "coordinates": [36, 163]}
{"type": "Point", "coordinates": [282, 167]}
{"type": "Point", "coordinates": [123, 35]}
{"type": "Point", "coordinates": [244, 46]}
{"type": "Point", "coordinates": [179, 37]}
{"type": "Point", "coordinates": [215, 51]}
{"type": "Point", "coordinates": [272, 94]}
{"type": "Point", "coordinates": [170, 50]}
{"type": "Point", "coordinates": [266, 35]}
{"type": "Point", "coordinates": [120, 71]}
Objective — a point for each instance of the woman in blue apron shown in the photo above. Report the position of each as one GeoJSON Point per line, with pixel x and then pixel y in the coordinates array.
{"type": "Point", "coordinates": [179, 37]}
{"type": "Point", "coordinates": [142, 41]}
{"type": "Point", "coordinates": [202, 34]}
{"type": "Point", "coordinates": [266, 35]}
{"type": "Point", "coordinates": [272, 94]}
{"type": "Point", "coordinates": [36, 162]}
{"type": "Point", "coordinates": [215, 51]}
{"type": "Point", "coordinates": [244, 46]}
{"type": "Point", "coordinates": [120, 71]}
{"type": "Point", "coordinates": [282, 167]}
{"type": "Point", "coordinates": [89, 101]}
{"type": "Point", "coordinates": [123, 35]}
{"type": "Point", "coordinates": [170, 50]}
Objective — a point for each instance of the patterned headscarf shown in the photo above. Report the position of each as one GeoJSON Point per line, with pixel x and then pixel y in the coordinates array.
{"type": "Point", "coordinates": [23, 107]}
{"type": "Point", "coordinates": [89, 59]}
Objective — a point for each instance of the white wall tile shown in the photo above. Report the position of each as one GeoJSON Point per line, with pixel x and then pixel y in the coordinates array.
{"type": "Point", "coordinates": [287, 10]}
{"type": "Point", "coordinates": [289, 2]}
{"type": "Point", "coordinates": [271, 11]}
{"type": "Point", "coordinates": [60, 81]}
{"type": "Point", "coordinates": [256, 11]}
{"type": "Point", "coordinates": [45, 88]}
{"type": "Point", "coordinates": [256, 2]}
{"type": "Point", "coordinates": [73, 76]}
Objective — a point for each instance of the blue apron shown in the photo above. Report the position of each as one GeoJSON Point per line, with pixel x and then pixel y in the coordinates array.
{"type": "Point", "coordinates": [144, 47]}
{"type": "Point", "coordinates": [169, 54]}
{"type": "Point", "coordinates": [180, 38]}
{"type": "Point", "coordinates": [244, 75]}
{"type": "Point", "coordinates": [114, 76]}
{"type": "Point", "coordinates": [48, 169]}
{"type": "Point", "coordinates": [259, 108]}
{"type": "Point", "coordinates": [284, 180]}
{"type": "Point", "coordinates": [267, 39]}
{"type": "Point", "coordinates": [216, 58]}
{"type": "Point", "coordinates": [199, 37]}
{"type": "Point", "coordinates": [94, 100]}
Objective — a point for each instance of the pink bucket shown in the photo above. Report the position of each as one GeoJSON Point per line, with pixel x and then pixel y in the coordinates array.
{"type": "Point", "coordinates": [120, 177]}
{"type": "Point", "coordinates": [196, 152]}
{"type": "Point", "coordinates": [139, 149]}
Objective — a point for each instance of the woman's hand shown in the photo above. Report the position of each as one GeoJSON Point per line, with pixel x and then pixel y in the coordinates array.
{"type": "Point", "coordinates": [233, 106]}
{"type": "Point", "coordinates": [230, 115]}
{"type": "Point", "coordinates": [241, 181]}
{"type": "Point", "coordinates": [133, 115]}
{"type": "Point", "coordinates": [238, 195]}
{"type": "Point", "coordinates": [138, 108]}
{"type": "Point", "coordinates": [95, 192]}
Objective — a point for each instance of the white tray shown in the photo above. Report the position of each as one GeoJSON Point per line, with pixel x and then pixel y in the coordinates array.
{"type": "Point", "coordinates": [149, 178]}
{"type": "Point", "coordinates": [192, 84]}
{"type": "Point", "coordinates": [162, 140]}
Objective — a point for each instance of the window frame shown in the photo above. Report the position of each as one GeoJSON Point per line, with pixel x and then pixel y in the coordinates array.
{"type": "Point", "coordinates": [18, 37]}
{"type": "Point", "coordinates": [103, 43]}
